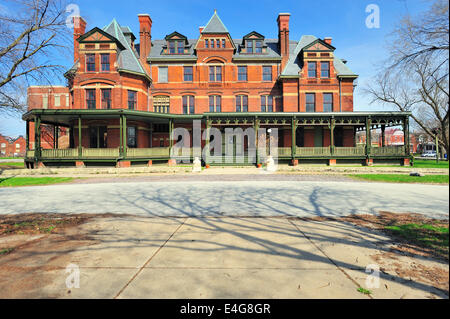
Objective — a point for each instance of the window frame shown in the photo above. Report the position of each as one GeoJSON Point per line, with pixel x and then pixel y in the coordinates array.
{"type": "Point", "coordinates": [239, 73]}
{"type": "Point", "coordinates": [90, 101]}
{"type": "Point", "coordinates": [161, 107]}
{"type": "Point", "coordinates": [330, 103]}
{"type": "Point", "coordinates": [134, 138]}
{"type": "Point", "coordinates": [264, 74]}
{"type": "Point", "coordinates": [102, 64]}
{"type": "Point", "coordinates": [265, 105]}
{"type": "Point", "coordinates": [216, 105]}
{"type": "Point", "coordinates": [240, 105]}
{"type": "Point", "coordinates": [322, 63]}
{"type": "Point", "coordinates": [109, 105]}
{"type": "Point", "coordinates": [313, 95]}
{"type": "Point", "coordinates": [310, 63]}
{"type": "Point", "coordinates": [89, 62]}
{"type": "Point", "coordinates": [134, 101]}
{"type": "Point", "coordinates": [159, 74]}
{"type": "Point", "coordinates": [185, 68]}
{"type": "Point", "coordinates": [216, 76]}
{"type": "Point", "coordinates": [188, 104]}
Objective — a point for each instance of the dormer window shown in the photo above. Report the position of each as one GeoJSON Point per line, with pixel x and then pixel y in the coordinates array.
{"type": "Point", "coordinates": [176, 47]}
{"type": "Point", "coordinates": [253, 43]}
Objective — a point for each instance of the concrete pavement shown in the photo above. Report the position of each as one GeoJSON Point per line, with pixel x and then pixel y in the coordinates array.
{"type": "Point", "coordinates": [229, 198]}
{"type": "Point", "coordinates": [223, 257]}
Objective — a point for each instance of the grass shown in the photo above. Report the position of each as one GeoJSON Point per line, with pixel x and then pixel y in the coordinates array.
{"type": "Point", "coordinates": [6, 251]}
{"type": "Point", "coordinates": [10, 157]}
{"type": "Point", "coordinates": [18, 164]}
{"type": "Point", "coordinates": [422, 234]}
{"type": "Point", "coordinates": [402, 178]}
{"type": "Point", "coordinates": [26, 181]}
{"type": "Point", "coordinates": [430, 164]}
{"type": "Point", "coordinates": [364, 291]}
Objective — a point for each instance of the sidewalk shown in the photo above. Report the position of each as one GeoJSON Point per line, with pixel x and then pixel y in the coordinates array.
{"type": "Point", "coordinates": [136, 257]}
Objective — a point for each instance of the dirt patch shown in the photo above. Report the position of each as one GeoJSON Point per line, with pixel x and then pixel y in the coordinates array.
{"type": "Point", "coordinates": [409, 257]}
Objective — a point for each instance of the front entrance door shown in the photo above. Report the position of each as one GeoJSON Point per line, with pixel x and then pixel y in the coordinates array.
{"type": "Point", "coordinates": [98, 136]}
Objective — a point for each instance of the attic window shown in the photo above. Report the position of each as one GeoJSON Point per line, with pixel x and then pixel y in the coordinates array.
{"type": "Point", "coordinates": [176, 47]}
{"type": "Point", "coordinates": [254, 46]}
{"type": "Point", "coordinates": [90, 46]}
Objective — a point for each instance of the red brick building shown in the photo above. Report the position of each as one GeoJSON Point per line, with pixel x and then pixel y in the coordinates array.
{"type": "Point", "coordinates": [12, 147]}
{"type": "Point", "coordinates": [124, 99]}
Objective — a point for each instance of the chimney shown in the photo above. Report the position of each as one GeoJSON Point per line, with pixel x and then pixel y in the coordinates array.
{"type": "Point", "coordinates": [201, 29]}
{"type": "Point", "coordinates": [145, 41]}
{"type": "Point", "coordinates": [283, 37]}
{"type": "Point", "coordinates": [79, 28]}
{"type": "Point", "coordinates": [328, 40]}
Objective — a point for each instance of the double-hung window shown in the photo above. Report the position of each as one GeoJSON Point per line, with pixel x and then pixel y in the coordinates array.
{"type": "Point", "coordinates": [242, 73]}
{"type": "Point", "coordinates": [215, 73]}
{"type": "Point", "coordinates": [266, 103]}
{"type": "Point", "coordinates": [310, 102]}
{"type": "Point", "coordinates": [188, 104]}
{"type": "Point", "coordinates": [90, 62]}
{"type": "Point", "coordinates": [90, 98]}
{"type": "Point", "coordinates": [188, 73]}
{"type": "Point", "coordinates": [328, 102]}
{"type": "Point", "coordinates": [106, 98]}
{"type": "Point", "coordinates": [215, 102]}
{"type": "Point", "coordinates": [105, 62]}
{"type": "Point", "coordinates": [241, 103]}
{"type": "Point", "coordinates": [132, 100]}
{"type": "Point", "coordinates": [325, 70]}
{"type": "Point", "coordinates": [267, 73]}
{"type": "Point", "coordinates": [312, 70]}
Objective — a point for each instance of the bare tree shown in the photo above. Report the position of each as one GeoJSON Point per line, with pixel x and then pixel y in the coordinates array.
{"type": "Point", "coordinates": [415, 76]}
{"type": "Point", "coordinates": [31, 33]}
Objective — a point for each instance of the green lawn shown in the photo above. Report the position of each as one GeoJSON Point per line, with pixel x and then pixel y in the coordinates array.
{"type": "Point", "coordinates": [24, 181]}
{"type": "Point", "coordinates": [430, 164]}
{"type": "Point", "coordinates": [11, 157]}
{"type": "Point", "coordinates": [422, 234]}
{"type": "Point", "coordinates": [402, 178]}
{"type": "Point", "coordinates": [18, 164]}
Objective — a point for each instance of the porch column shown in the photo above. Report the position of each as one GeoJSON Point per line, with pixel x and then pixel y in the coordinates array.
{"type": "Point", "coordinates": [124, 136]}
{"type": "Point", "coordinates": [293, 137]}
{"type": "Point", "coordinates": [79, 137]}
{"type": "Point", "coordinates": [37, 137]}
{"type": "Point", "coordinates": [332, 124]}
{"type": "Point", "coordinates": [207, 147]}
{"type": "Point", "coordinates": [27, 141]}
{"type": "Point", "coordinates": [170, 134]}
{"type": "Point", "coordinates": [368, 135]}
{"type": "Point", "coordinates": [383, 135]}
{"type": "Point", "coordinates": [406, 135]}
{"type": "Point", "coordinates": [256, 128]}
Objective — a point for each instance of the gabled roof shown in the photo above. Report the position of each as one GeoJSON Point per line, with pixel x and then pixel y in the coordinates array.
{"type": "Point", "coordinates": [253, 33]}
{"type": "Point", "coordinates": [293, 66]}
{"type": "Point", "coordinates": [215, 25]}
{"type": "Point", "coordinates": [176, 34]}
{"type": "Point", "coordinates": [128, 58]}
{"type": "Point", "coordinates": [102, 32]}
{"type": "Point", "coordinates": [319, 41]}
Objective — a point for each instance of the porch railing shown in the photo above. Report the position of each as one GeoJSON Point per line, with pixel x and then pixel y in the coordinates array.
{"type": "Point", "coordinates": [312, 151]}
{"type": "Point", "coordinates": [30, 154]}
{"type": "Point", "coordinates": [148, 152]}
{"type": "Point", "coordinates": [99, 152]}
{"type": "Point", "coordinates": [349, 151]}
{"type": "Point", "coordinates": [388, 151]}
{"type": "Point", "coordinates": [59, 153]}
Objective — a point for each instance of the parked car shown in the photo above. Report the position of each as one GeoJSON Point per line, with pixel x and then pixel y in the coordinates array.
{"type": "Point", "coordinates": [429, 154]}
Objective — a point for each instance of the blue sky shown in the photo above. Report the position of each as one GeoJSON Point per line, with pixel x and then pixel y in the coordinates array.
{"type": "Point", "coordinates": [343, 20]}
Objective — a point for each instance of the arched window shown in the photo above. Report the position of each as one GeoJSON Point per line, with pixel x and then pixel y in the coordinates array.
{"type": "Point", "coordinates": [161, 104]}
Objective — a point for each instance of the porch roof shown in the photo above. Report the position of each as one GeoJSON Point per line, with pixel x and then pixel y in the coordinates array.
{"type": "Point", "coordinates": [63, 117]}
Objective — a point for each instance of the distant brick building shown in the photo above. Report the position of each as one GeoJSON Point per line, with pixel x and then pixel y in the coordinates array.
{"type": "Point", "coordinates": [124, 99]}
{"type": "Point", "coordinates": [10, 147]}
